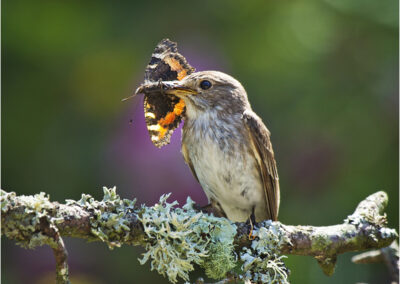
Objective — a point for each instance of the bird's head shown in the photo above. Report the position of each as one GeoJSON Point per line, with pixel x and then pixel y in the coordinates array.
{"type": "Point", "coordinates": [204, 92]}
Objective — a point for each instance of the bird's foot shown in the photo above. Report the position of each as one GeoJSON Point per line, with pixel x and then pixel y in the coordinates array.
{"type": "Point", "coordinates": [252, 220]}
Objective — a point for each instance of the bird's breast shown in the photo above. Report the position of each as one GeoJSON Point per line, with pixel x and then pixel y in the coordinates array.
{"type": "Point", "coordinates": [224, 165]}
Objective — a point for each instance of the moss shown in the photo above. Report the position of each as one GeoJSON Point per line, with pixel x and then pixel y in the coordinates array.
{"type": "Point", "coordinates": [262, 262]}
{"type": "Point", "coordinates": [220, 260]}
{"type": "Point", "coordinates": [320, 242]}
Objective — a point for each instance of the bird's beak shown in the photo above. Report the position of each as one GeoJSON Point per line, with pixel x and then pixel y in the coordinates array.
{"type": "Point", "coordinates": [178, 89]}
{"type": "Point", "coordinates": [166, 87]}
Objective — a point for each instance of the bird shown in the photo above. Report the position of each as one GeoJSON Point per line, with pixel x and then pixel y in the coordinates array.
{"type": "Point", "coordinates": [226, 145]}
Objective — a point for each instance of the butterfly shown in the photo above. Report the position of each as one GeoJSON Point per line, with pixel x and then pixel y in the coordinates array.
{"type": "Point", "coordinates": [164, 113]}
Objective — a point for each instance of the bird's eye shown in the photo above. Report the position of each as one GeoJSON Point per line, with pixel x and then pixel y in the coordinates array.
{"type": "Point", "coordinates": [205, 84]}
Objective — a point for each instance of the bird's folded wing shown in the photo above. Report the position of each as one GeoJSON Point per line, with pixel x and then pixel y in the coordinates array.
{"type": "Point", "coordinates": [262, 150]}
{"type": "Point", "coordinates": [188, 161]}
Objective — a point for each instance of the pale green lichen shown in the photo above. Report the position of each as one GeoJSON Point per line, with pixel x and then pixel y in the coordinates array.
{"type": "Point", "coordinates": [370, 211]}
{"type": "Point", "coordinates": [176, 239]}
{"type": "Point", "coordinates": [372, 219]}
{"type": "Point", "coordinates": [263, 262]}
{"type": "Point", "coordinates": [179, 238]}
{"type": "Point", "coordinates": [108, 221]}
{"type": "Point", "coordinates": [22, 226]}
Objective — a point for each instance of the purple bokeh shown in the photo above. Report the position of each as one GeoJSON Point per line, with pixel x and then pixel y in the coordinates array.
{"type": "Point", "coordinates": [150, 171]}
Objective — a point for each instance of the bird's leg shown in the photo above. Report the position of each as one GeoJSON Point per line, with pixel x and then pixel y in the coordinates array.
{"type": "Point", "coordinates": [213, 208]}
{"type": "Point", "coordinates": [252, 220]}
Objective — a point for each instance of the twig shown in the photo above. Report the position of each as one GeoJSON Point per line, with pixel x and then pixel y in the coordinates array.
{"type": "Point", "coordinates": [56, 243]}
{"type": "Point", "coordinates": [388, 255]}
{"type": "Point", "coordinates": [60, 254]}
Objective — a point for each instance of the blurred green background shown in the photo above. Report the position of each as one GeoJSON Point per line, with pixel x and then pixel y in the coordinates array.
{"type": "Point", "coordinates": [323, 75]}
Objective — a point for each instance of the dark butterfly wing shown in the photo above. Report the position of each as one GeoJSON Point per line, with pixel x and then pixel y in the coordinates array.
{"type": "Point", "coordinates": [164, 113]}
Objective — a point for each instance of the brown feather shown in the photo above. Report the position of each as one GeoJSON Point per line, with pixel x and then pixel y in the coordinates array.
{"type": "Point", "coordinates": [188, 161]}
{"type": "Point", "coordinates": [262, 147]}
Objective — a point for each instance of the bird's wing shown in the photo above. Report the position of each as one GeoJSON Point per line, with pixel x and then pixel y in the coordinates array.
{"type": "Point", "coordinates": [188, 161]}
{"type": "Point", "coordinates": [262, 150]}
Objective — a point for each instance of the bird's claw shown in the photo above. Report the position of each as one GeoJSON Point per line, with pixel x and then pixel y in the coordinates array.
{"type": "Point", "coordinates": [251, 236]}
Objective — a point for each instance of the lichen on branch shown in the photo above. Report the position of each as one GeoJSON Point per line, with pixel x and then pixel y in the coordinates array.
{"type": "Point", "coordinates": [176, 238]}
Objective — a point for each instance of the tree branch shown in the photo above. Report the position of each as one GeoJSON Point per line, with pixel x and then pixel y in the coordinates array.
{"type": "Point", "coordinates": [185, 236]}
{"type": "Point", "coordinates": [60, 252]}
{"type": "Point", "coordinates": [388, 255]}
